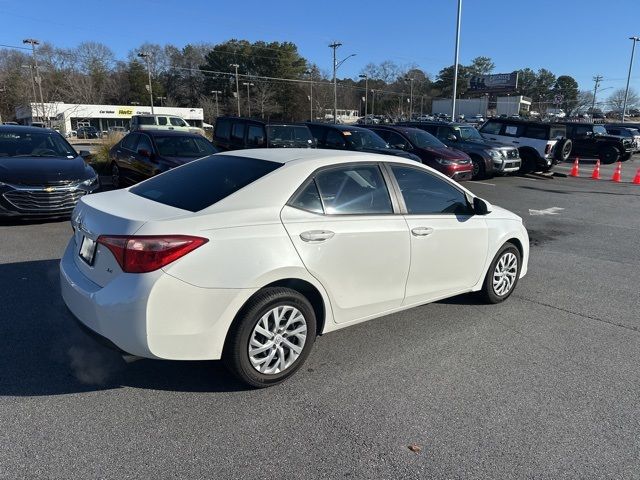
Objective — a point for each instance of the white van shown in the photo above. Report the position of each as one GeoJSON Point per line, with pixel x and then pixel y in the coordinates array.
{"type": "Point", "coordinates": [162, 122]}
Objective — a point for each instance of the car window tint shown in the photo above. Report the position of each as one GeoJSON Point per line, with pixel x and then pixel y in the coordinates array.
{"type": "Point", "coordinates": [537, 132]}
{"type": "Point", "coordinates": [581, 130]}
{"type": "Point", "coordinates": [354, 190]}
{"type": "Point", "coordinates": [162, 120]}
{"type": "Point", "coordinates": [384, 134]}
{"type": "Point", "coordinates": [316, 131]}
{"type": "Point", "coordinates": [144, 143]}
{"type": "Point", "coordinates": [223, 128]}
{"type": "Point", "coordinates": [444, 132]}
{"type": "Point", "coordinates": [396, 141]}
{"type": "Point", "coordinates": [513, 130]}
{"type": "Point", "coordinates": [335, 139]}
{"type": "Point", "coordinates": [492, 128]}
{"type": "Point", "coordinates": [184, 146]}
{"type": "Point", "coordinates": [425, 194]}
{"type": "Point", "coordinates": [308, 199]}
{"type": "Point", "coordinates": [177, 122]}
{"type": "Point", "coordinates": [237, 132]}
{"type": "Point", "coordinates": [129, 142]}
{"type": "Point", "coordinates": [255, 136]}
{"type": "Point", "coordinates": [146, 120]}
{"type": "Point", "coordinates": [201, 183]}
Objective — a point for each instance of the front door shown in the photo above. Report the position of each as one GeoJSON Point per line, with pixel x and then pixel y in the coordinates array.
{"type": "Point", "coordinates": [343, 225]}
{"type": "Point", "coordinates": [448, 243]}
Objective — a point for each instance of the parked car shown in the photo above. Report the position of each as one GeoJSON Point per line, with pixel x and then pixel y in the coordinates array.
{"type": "Point", "coordinates": [144, 154]}
{"type": "Point", "coordinates": [592, 140]}
{"type": "Point", "coordinates": [162, 122]}
{"type": "Point", "coordinates": [234, 133]}
{"type": "Point", "coordinates": [87, 132]}
{"type": "Point", "coordinates": [488, 157]}
{"type": "Point", "coordinates": [347, 137]}
{"type": "Point", "coordinates": [540, 144]}
{"type": "Point", "coordinates": [632, 133]}
{"type": "Point", "coordinates": [431, 151]}
{"type": "Point", "coordinates": [41, 175]}
{"type": "Point", "coordinates": [247, 256]}
{"type": "Point", "coordinates": [116, 130]}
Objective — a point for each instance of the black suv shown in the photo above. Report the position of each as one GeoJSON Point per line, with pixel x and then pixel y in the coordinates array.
{"type": "Point", "coordinates": [347, 137]}
{"type": "Point", "coordinates": [235, 133]}
{"type": "Point", "coordinates": [593, 140]}
{"type": "Point", "coordinates": [488, 157]}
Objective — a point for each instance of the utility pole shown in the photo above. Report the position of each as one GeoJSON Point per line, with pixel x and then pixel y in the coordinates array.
{"type": "Point", "coordinates": [366, 95]}
{"type": "Point", "coordinates": [310, 73]}
{"type": "Point", "coordinates": [421, 104]}
{"type": "Point", "coordinates": [626, 92]}
{"type": "Point", "coordinates": [335, 46]}
{"type": "Point", "coordinates": [235, 65]}
{"type": "Point", "coordinates": [455, 72]}
{"type": "Point", "coordinates": [216, 92]}
{"type": "Point", "coordinates": [373, 101]}
{"type": "Point", "coordinates": [247, 84]}
{"type": "Point", "coordinates": [147, 57]}
{"type": "Point", "coordinates": [410, 96]}
{"type": "Point", "coordinates": [33, 42]}
{"type": "Point", "coordinates": [597, 79]}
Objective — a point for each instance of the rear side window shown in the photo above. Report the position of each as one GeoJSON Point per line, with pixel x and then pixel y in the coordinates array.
{"type": "Point", "coordinates": [223, 128]}
{"type": "Point", "coordinates": [335, 139]}
{"type": "Point", "coordinates": [492, 128]}
{"type": "Point", "coordinates": [255, 136]}
{"type": "Point", "coordinates": [177, 122]}
{"type": "Point", "coordinates": [162, 120]}
{"type": "Point", "coordinates": [308, 199]}
{"type": "Point", "coordinates": [316, 131]}
{"type": "Point", "coordinates": [537, 132]}
{"type": "Point", "coordinates": [513, 130]}
{"type": "Point", "coordinates": [146, 120]}
{"type": "Point", "coordinates": [202, 183]}
{"type": "Point", "coordinates": [237, 132]}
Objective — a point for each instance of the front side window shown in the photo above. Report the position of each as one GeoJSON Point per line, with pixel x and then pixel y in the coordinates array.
{"type": "Point", "coordinates": [358, 189]}
{"type": "Point", "coordinates": [396, 141]}
{"type": "Point", "coordinates": [467, 133]}
{"type": "Point", "coordinates": [146, 120]}
{"type": "Point", "coordinates": [255, 136]}
{"type": "Point", "coordinates": [178, 122]}
{"type": "Point", "coordinates": [335, 139]}
{"type": "Point", "coordinates": [184, 147]}
{"type": "Point", "coordinates": [425, 194]}
{"type": "Point", "coordinates": [600, 130]}
{"type": "Point", "coordinates": [360, 139]}
{"type": "Point", "coordinates": [162, 120]}
{"type": "Point", "coordinates": [223, 128]}
{"type": "Point", "coordinates": [422, 139]}
{"type": "Point", "coordinates": [237, 132]}
{"type": "Point", "coordinates": [491, 128]}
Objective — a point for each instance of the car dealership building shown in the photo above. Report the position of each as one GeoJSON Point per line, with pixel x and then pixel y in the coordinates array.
{"type": "Point", "coordinates": [69, 116]}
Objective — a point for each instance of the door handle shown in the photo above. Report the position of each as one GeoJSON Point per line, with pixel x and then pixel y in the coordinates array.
{"type": "Point", "coordinates": [515, 141]}
{"type": "Point", "coordinates": [421, 231]}
{"type": "Point", "coordinates": [316, 235]}
{"type": "Point", "coordinates": [492, 138]}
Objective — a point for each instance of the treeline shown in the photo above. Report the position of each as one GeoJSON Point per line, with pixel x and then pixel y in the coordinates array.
{"type": "Point", "coordinates": [279, 79]}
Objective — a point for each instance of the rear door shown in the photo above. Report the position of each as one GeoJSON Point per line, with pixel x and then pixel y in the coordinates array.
{"type": "Point", "coordinates": [343, 225]}
{"type": "Point", "coordinates": [127, 158]}
{"type": "Point", "coordinates": [144, 166]}
{"type": "Point", "coordinates": [237, 135]}
{"type": "Point", "coordinates": [448, 243]}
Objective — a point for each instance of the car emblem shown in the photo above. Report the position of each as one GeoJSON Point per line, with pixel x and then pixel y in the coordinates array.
{"type": "Point", "coordinates": [49, 189]}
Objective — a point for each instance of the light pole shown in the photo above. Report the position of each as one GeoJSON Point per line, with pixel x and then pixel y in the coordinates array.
{"type": "Point", "coordinates": [161, 99]}
{"type": "Point", "coordinates": [247, 84]}
{"type": "Point", "coordinates": [410, 79]}
{"type": "Point", "coordinates": [147, 57]}
{"type": "Point", "coordinates": [366, 89]}
{"type": "Point", "coordinates": [597, 80]}
{"type": "Point", "coordinates": [33, 82]}
{"type": "Point", "coordinates": [455, 71]}
{"type": "Point", "coordinates": [38, 79]}
{"type": "Point", "coordinates": [626, 92]}
{"type": "Point", "coordinates": [216, 92]}
{"type": "Point", "coordinates": [337, 64]}
{"type": "Point", "coordinates": [235, 65]}
{"type": "Point", "coordinates": [373, 102]}
{"type": "Point", "coordinates": [310, 73]}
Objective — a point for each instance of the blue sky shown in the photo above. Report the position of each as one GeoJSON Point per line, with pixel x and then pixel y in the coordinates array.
{"type": "Point", "coordinates": [576, 37]}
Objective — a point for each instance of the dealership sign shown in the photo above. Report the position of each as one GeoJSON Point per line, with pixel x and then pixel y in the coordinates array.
{"type": "Point", "coordinates": [499, 82]}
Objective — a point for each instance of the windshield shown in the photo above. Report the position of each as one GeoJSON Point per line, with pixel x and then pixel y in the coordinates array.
{"type": "Point", "coordinates": [422, 139]}
{"type": "Point", "coordinates": [190, 147]}
{"type": "Point", "coordinates": [28, 144]}
{"type": "Point", "coordinates": [599, 130]}
{"type": "Point", "coordinates": [360, 139]}
{"type": "Point", "coordinates": [288, 134]}
{"type": "Point", "coordinates": [467, 133]}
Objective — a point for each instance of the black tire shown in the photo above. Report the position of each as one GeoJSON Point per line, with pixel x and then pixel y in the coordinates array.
{"type": "Point", "coordinates": [236, 350]}
{"type": "Point", "coordinates": [488, 292]}
{"type": "Point", "coordinates": [626, 157]}
{"type": "Point", "coordinates": [609, 154]}
{"type": "Point", "coordinates": [527, 162]}
{"type": "Point", "coordinates": [115, 176]}
{"type": "Point", "coordinates": [563, 150]}
{"type": "Point", "coordinates": [479, 170]}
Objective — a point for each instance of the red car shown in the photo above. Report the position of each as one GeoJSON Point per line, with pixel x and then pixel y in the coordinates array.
{"type": "Point", "coordinates": [453, 163]}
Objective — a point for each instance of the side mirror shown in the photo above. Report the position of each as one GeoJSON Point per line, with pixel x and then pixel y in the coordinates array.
{"type": "Point", "coordinates": [84, 154]}
{"type": "Point", "coordinates": [452, 137]}
{"type": "Point", "coordinates": [480, 207]}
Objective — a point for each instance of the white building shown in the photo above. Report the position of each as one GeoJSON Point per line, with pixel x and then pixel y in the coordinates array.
{"type": "Point", "coordinates": [469, 107]}
{"type": "Point", "coordinates": [68, 116]}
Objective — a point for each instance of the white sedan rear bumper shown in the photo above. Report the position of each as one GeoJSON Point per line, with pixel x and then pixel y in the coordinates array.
{"type": "Point", "coordinates": [152, 315]}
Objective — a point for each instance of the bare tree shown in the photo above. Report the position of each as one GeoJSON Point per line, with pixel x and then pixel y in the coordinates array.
{"type": "Point", "coordinates": [616, 99]}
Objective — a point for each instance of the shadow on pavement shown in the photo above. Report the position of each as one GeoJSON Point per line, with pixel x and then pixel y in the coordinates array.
{"type": "Point", "coordinates": [566, 192]}
{"type": "Point", "coordinates": [44, 352]}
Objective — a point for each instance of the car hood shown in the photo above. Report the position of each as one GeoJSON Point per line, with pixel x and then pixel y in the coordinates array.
{"type": "Point", "coordinates": [447, 153]}
{"type": "Point", "coordinates": [43, 170]}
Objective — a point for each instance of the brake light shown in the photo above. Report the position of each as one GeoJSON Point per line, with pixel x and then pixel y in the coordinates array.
{"type": "Point", "coordinates": [548, 148]}
{"type": "Point", "coordinates": [141, 254]}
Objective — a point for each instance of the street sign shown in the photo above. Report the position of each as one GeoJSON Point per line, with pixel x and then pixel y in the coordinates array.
{"type": "Point", "coordinates": [557, 99]}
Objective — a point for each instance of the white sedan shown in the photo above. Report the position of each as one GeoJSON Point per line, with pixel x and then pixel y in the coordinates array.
{"type": "Point", "coordinates": [247, 256]}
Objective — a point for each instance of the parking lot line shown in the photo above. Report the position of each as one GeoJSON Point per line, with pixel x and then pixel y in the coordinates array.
{"type": "Point", "coordinates": [486, 183]}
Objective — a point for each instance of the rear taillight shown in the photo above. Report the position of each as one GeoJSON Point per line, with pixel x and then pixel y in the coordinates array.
{"type": "Point", "coordinates": [141, 254]}
{"type": "Point", "coordinates": [548, 148]}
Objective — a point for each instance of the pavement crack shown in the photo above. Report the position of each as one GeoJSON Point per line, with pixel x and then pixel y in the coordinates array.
{"type": "Point", "coordinates": [590, 317]}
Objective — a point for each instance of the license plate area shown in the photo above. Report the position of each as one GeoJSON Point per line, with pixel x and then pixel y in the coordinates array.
{"type": "Point", "coordinates": [87, 250]}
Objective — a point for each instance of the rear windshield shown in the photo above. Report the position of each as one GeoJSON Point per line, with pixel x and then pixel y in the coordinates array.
{"type": "Point", "coordinates": [201, 183]}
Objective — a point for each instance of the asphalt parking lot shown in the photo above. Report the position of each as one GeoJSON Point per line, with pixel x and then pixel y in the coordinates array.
{"type": "Point", "coordinates": [545, 385]}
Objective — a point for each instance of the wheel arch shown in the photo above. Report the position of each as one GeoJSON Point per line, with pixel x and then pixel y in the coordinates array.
{"type": "Point", "coordinates": [486, 161]}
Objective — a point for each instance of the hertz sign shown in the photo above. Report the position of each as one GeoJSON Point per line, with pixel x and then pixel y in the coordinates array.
{"type": "Point", "coordinates": [125, 112]}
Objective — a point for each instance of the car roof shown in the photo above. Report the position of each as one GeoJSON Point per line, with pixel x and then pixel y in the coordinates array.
{"type": "Point", "coordinates": [24, 129]}
{"type": "Point", "coordinates": [338, 126]}
{"type": "Point", "coordinates": [315, 155]}
{"type": "Point", "coordinates": [436, 122]}
{"type": "Point", "coordinates": [167, 133]}
{"type": "Point", "coordinates": [527, 122]}
{"type": "Point", "coordinates": [396, 128]}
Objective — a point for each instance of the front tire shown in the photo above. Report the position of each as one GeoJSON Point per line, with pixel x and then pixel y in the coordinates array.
{"type": "Point", "coordinates": [503, 274]}
{"type": "Point", "coordinates": [479, 171]}
{"type": "Point", "coordinates": [271, 337]}
{"type": "Point", "coordinates": [609, 154]}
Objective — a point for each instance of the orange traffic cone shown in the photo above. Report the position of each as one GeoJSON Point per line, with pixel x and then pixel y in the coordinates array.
{"type": "Point", "coordinates": [636, 179]}
{"type": "Point", "coordinates": [617, 173]}
{"type": "Point", "coordinates": [596, 171]}
{"type": "Point", "coordinates": [575, 170]}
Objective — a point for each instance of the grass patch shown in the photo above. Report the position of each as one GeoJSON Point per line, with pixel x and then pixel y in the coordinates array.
{"type": "Point", "coordinates": [100, 158]}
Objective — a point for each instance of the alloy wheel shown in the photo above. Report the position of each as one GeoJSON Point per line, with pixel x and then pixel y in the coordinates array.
{"type": "Point", "coordinates": [504, 275]}
{"type": "Point", "coordinates": [277, 340]}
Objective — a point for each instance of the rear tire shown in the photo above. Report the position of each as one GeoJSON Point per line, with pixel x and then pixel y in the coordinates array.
{"type": "Point", "coordinates": [563, 150]}
{"type": "Point", "coordinates": [503, 274]}
{"type": "Point", "coordinates": [258, 350]}
{"type": "Point", "coordinates": [609, 154]}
